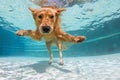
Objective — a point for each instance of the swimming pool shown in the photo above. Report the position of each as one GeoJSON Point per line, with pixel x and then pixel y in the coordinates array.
{"type": "Point", "coordinates": [99, 21]}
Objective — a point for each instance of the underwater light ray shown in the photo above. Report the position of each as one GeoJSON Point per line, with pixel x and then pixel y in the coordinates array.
{"type": "Point", "coordinates": [101, 38]}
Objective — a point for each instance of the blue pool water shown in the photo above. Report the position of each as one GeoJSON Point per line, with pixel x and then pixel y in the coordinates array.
{"type": "Point", "coordinates": [99, 21]}
{"type": "Point", "coordinates": [97, 58]}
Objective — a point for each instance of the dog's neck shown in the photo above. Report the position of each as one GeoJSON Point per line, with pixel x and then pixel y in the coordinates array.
{"type": "Point", "coordinates": [49, 37]}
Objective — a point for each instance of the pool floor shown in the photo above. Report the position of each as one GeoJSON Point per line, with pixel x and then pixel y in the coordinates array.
{"type": "Point", "coordinates": [106, 67]}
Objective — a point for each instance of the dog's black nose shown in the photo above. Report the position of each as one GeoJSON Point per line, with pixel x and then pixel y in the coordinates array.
{"type": "Point", "coordinates": [46, 29]}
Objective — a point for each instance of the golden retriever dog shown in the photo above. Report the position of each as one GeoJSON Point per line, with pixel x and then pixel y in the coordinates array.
{"type": "Point", "coordinates": [47, 20]}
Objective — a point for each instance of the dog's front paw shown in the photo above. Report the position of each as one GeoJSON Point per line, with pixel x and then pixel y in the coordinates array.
{"type": "Point", "coordinates": [21, 32]}
{"type": "Point", "coordinates": [61, 63]}
{"type": "Point", "coordinates": [50, 62]}
{"type": "Point", "coordinates": [79, 39]}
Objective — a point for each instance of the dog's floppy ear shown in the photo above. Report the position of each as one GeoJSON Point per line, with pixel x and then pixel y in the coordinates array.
{"type": "Point", "coordinates": [32, 10]}
{"type": "Point", "coordinates": [59, 10]}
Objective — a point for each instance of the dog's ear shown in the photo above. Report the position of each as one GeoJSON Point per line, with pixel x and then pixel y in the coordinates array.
{"type": "Point", "coordinates": [59, 10]}
{"type": "Point", "coordinates": [32, 10]}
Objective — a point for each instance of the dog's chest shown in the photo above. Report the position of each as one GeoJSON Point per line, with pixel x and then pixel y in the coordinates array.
{"type": "Point", "coordinates": [51, 39]}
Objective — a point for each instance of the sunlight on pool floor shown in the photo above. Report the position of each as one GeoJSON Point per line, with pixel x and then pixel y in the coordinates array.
{"type": "Point", "coordinates": [105, 67]}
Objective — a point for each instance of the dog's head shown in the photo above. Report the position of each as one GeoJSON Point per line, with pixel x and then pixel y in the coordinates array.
{"type": "Point", "coordinates": [45, 18]}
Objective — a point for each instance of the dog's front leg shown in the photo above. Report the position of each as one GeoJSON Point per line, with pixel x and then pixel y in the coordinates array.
{"type": "Point", "coordinates": [60, 53]}
{"type": "Point", "coordinates": [34, 34]}
{"type": "Point", "coordinates": [69, 38]}
{"type": "Point", "coordinates": [48, 44]}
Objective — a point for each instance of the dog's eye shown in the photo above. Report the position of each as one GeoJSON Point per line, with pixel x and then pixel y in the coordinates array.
{"type": "Point", "coordinates": [52, 17]}
{"type": "Point", "coordinates": [40, 16]}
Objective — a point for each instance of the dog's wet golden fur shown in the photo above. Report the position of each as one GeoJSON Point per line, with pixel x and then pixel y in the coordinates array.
{"type": "Point", "coordinates": [47, 20]}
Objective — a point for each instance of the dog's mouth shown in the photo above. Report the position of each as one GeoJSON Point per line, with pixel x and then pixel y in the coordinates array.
{"type": "Point", "coordinates": [46, 29]}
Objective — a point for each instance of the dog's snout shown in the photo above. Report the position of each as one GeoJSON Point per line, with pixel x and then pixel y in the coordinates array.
{"type": "Point", "coordinates": [46, 29]}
